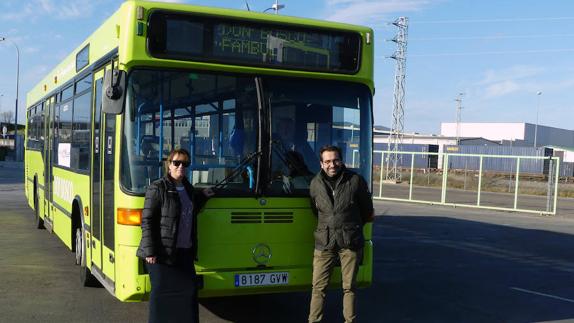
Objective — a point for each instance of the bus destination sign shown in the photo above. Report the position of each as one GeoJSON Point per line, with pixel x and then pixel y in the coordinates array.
{"type": "Point", "coordinates": [177, 36]}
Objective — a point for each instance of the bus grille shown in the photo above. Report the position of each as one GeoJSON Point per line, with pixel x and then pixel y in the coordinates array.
{"type": "Point", "coordinates": [261, 217]}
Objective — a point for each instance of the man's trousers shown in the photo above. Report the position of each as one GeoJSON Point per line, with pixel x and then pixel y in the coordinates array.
{"type": "Point", "coordinates": [323, 263]}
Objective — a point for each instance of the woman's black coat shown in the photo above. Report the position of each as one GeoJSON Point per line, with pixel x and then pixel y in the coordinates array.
{"type": "Point", "coordinates": [160, 219]}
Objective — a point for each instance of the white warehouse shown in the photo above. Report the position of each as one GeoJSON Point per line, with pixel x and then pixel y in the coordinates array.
{"type": "Point", "coordinates": [519, 134]}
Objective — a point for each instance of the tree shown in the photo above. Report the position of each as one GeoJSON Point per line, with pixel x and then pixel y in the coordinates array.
{"type": "Point", "coordinates": [7, 116]}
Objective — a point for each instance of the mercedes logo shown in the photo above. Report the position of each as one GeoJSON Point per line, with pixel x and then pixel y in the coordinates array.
{"type": "Point", "coordinates": [261, 253]}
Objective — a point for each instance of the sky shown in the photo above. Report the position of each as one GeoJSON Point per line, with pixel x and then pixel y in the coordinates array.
{"type": "Point", "coordinates": [498, 53]}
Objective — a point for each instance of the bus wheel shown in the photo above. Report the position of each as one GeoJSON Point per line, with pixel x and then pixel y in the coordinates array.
{"type": "Point", "coordinates": [86, 277]}
{"type": "Point", "coordinates": [37, 219]}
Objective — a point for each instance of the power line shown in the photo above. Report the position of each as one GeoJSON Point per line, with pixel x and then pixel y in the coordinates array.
{"type": "Point", "coordinates": [465, 21]}
{"type": "Point", "coordinates": [493, 37]}
{"type": "Point", "coordinates": [510, 52]}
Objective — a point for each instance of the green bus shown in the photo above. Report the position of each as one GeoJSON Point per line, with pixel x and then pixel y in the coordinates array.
{"type": "Point", "coordinates": [252, 96]}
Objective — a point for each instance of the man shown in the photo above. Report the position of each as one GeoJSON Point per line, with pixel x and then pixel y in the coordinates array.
{"type": "Point", "coordinates": [342, 202]}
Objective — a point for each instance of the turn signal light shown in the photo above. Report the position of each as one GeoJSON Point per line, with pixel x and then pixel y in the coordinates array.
{"type": "Point", "coordinates": [130, 216]}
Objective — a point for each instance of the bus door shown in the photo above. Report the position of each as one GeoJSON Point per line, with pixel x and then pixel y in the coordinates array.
{"type": "Point", "coordinates": [48, 150]}
{"type": "Point", "coordinates": [95, 225]}
{"type": "Point", "coordinates": [107, 171]}
{"type": "Point", "coordinates": [103, 219]}
{"type": "Point", "coordinates": [108, 154]}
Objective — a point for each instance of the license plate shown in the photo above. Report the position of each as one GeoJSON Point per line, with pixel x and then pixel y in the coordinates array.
{"type": "Point", "coordinates": [261, 279]}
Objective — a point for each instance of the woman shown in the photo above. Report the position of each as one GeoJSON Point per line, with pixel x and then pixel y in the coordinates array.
{"type": "Point", "coordinates": [169, 242]}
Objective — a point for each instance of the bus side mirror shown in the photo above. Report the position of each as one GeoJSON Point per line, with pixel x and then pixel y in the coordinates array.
{"type": "Point", "coordinates": [114, 91]}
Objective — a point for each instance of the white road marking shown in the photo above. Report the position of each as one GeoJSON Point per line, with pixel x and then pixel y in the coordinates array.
{"type": "Point", "coordinates": [542, 294]}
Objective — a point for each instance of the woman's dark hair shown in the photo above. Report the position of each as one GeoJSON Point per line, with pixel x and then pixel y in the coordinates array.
{"type": "Point", "coordinates": [330, 148]}
{"type": "Point", "coordinates": [174, 152]}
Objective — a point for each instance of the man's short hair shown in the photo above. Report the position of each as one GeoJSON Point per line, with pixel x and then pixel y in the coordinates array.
{"type": "Point", "coordinates": [330, 148]}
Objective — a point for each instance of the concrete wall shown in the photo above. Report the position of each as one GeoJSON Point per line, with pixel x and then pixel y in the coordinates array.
{"type": "Point", "coordinates": [490, 131]}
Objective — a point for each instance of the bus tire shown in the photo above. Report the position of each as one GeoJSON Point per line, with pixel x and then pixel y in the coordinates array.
{"type": "Point", "coordinates": [86, 277]}
{"type": "Point", "coordinates": [39, 222]}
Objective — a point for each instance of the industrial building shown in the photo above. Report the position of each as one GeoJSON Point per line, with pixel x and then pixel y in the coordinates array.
{"type": "Point", "coordinates": [514, 139]}
{"type": "Point", "coordinates": [516, 134]}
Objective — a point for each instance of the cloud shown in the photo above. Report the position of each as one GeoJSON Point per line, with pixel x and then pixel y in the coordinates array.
{"type": "Point", "coordinates": [65, 10]}
{"type": "Point", "coordinates": [33, 75]}
{"type": "Point", "coordinates": [58, 9]}
{"type": "Point", "coordinates": [172, 1]}
{"type": "Point", "coordinates": [47, 5]}
{"type": "Point", "coordinates": [501, 88]}
{"type": "Point", "coordinates": [505, 81]}
{"type": "Point", "coordinates": [370, 11]}
{"type": "Point", "coordinates": [31, 50]}
{"type": "Point", "coordinates": [512, 73]}
{"type": "Point", "coordinates": [552, 84]}
{"type": "Point", "coordinates": [20, 14]}
{"type": "Point", "coordinates": [522, 79]}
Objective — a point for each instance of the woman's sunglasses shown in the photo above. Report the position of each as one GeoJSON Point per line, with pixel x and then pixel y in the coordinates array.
{"type": "Point", "coordinates": [176, 163]}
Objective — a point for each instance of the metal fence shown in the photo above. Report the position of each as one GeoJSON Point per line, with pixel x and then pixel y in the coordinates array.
{"type": "Point", "coordinates": [566, 168]}
{"type": "Point", "coordinates": [500, 182]}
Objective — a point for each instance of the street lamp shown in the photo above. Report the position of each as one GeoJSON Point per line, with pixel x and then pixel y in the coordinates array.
{"type": "Point", "coordinates": [458, 116]}
{"type": "Point", "coordinates": [276, 6]}
{"type": "Point", "coordinates": [538, 94]}
{"type": "Point", "coordinates": [17, 88]}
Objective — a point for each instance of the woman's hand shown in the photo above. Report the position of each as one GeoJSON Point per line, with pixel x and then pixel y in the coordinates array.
{"type": "Point", "coordinates": [151, 260]}
{"type": "Point", "coordinates": [208, 192]}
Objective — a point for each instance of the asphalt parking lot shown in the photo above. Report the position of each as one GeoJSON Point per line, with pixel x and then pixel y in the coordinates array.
{"type": "Point", "coordinates": [432, 264]}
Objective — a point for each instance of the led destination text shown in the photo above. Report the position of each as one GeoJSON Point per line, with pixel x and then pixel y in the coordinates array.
{"type": "Point", "coordinates": [251, 41]}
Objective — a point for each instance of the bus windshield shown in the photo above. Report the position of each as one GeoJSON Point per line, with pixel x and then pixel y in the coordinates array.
{"type": "Point", "coordinates": [307, 115]}
{"type": "Point", "coordinates": [216, 118]}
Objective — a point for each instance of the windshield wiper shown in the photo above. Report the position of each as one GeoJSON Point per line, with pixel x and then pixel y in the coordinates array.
{"type": "Point", "coordinates": [242, 164]}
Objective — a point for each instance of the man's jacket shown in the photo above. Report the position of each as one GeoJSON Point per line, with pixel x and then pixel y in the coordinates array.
{"type": "Point", "coordinates": [160, 219]}
{"type": "Point", "coordinates": [341, 211]}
